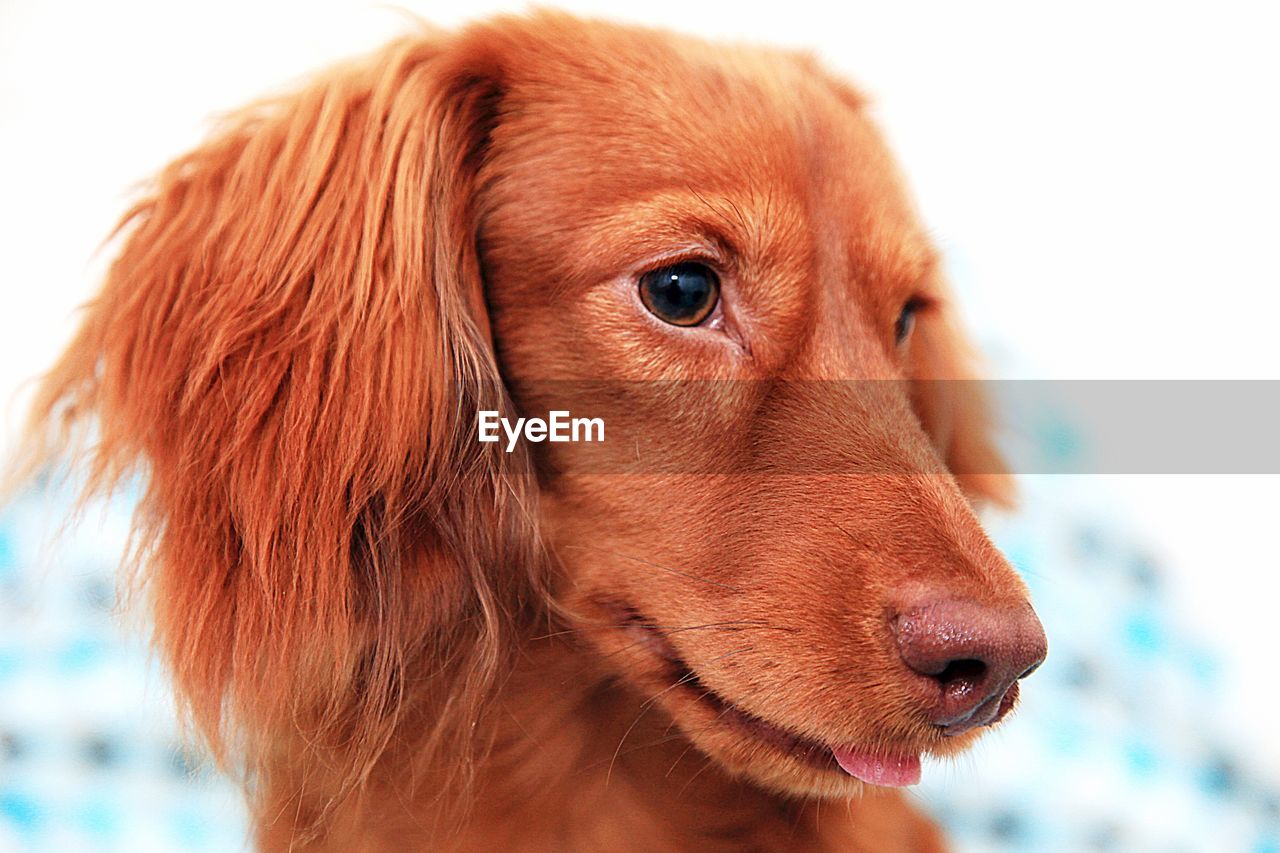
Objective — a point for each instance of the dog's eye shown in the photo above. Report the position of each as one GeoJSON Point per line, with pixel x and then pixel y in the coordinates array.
{"type": "Point", "coordinates": [682, 294]}
{"type": "Point", "coordinates": [906, 321]}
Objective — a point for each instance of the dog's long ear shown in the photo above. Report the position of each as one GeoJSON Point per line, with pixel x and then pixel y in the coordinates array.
{"type": "Point", "coordinates": [291, 347]}
{"type": "Point", "coordinates": [954, 406]}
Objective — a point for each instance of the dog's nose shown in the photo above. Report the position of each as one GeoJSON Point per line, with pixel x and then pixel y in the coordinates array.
{"type": "Point", "coordinates": [972, 656]}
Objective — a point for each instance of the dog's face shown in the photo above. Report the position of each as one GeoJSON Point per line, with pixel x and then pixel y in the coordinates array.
{"type": "Point", "coordinates": [290, 342]}
{"type": "Point", "coordinates": [658, 213]}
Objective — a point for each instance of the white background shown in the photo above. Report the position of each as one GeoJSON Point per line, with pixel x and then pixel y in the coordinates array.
{"type": "Point", "coordinates": [1104, 178]}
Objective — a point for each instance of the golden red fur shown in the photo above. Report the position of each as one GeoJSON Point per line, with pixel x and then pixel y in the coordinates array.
{"type": "Point", "coordinates": [407, 639]}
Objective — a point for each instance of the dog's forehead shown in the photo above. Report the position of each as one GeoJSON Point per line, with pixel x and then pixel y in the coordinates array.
{"type": "Point", "coordinates": [600, 124]}
{"type": "Point", "coordinates": [629, 106]}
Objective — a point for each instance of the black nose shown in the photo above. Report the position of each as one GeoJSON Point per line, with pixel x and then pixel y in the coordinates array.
{"type": "Point", "coordinates": [972, 656]}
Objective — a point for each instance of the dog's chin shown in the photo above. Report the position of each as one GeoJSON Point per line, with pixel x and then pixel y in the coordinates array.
{"type": "Point", "coordinates": [747, 745]}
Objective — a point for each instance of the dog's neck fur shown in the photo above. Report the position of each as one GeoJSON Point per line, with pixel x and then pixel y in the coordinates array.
{"type": "Point", "coordinates": [579, 762]}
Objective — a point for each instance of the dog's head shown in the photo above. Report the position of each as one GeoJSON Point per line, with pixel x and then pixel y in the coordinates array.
{"type": "Point", "coordinates": [310, 310]}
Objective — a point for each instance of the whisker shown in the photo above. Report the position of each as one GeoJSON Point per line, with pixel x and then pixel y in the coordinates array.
{"type": "Point", "coordinates": [691, 674]}
{"type": "Point", "coordinates": [608, 775]}
{"type": "Point", "coordinates": [644, 709]}
{"type": "Point", "coordinates": [705, 764]}
{"type": "Point", "coordinates": [679, 758]}
{"type": "Point", "coordinates": [848, 535]}
{"type": "Point", "coordinates": [648, 703]}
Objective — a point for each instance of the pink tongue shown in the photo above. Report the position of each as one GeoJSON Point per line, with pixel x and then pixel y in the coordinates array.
{"type": "Point", "coordinates": [891, 772]}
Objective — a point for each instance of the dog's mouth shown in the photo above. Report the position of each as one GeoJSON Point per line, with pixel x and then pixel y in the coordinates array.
{"type": "Point", "coordinates": [873, 766]}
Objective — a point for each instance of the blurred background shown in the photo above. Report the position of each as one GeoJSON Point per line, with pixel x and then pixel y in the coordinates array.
{"type": "Point", "coordinates": [1104, 183]}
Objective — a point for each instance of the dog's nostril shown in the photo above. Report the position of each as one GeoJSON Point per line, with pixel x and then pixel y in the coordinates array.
{"type": "Point", "coordinates": [964, 671]}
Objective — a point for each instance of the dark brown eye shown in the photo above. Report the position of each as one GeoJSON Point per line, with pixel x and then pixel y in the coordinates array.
{"type": "Point", "coordinates": [682, 294]}
{"type": "Point", "coordinates": [906, 321]}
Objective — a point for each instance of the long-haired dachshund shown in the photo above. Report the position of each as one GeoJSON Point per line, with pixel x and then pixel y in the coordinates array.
{"type": "Point", "coordinates": [406, 637]}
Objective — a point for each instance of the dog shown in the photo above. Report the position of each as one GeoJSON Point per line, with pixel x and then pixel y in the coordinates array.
{"type": "Point", "coordinates": [402, 636]}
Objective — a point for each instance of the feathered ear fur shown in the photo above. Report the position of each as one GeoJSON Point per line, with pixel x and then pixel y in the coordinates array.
{"type": "Point", "coordinates": [291, 348]}
{"type": "Point", "coordinates": [954, 406]}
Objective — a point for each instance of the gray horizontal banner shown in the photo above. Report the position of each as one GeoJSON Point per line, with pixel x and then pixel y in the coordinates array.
{"type": "Point", "coordinates": [877, 426]}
